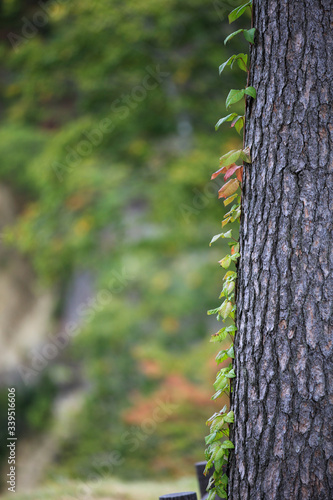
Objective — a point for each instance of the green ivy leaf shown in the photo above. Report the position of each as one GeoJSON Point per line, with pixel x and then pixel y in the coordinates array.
{"type": "Point", "coordinates": [245, 155]}
{"type": "Point", "coordinates": [224, 479]}
{"type": "Point", "coordinates": [229, 418]}
{"type": "Point", "coordinates": [210, 438]}
{"type": "Point", "coordinates": [231, 211]}
{"type": "Point", "coordinates": [225, 262]}
{"type": "Point", "coordinates": [251, 91]}
{"type": "Point", "coordinates": [221, 385]}
{"type": "Point", "coordinates": [231, 374]}
{"type": "Point", "coordinates": [227, 444]}
{"type": "Point", "coordinates": [226, 309]}
{"type": "Point", "coordinates": [229, 287]}
{"type": "Point", "coordinates": [235, 256]}
{"type": "Point", "coordinates": [217, 395]}
{"type": "Point", "coordinates": [211, 479]}
{"type": "Point", "coordinates": [219, 454]}
{"type": "Point", "coordinates": [236, 215]}
{"type": "Point", "coordinates": [218, 464]}
{"type": "Point", "coordinates": [238, 123]}
{"type": "Point", "coordinates": [230, 157]}
{"type": "Point", "coordinates": [209, 464]}
{"type": "Point", "coordinates": [219, 336]}
{"type": "Point", "coordinates": [221, 356]}
{"type": "Point", "coordinates": [214, 436]}
{"type": "Point", "coordinates": [237, 12]}
{"type": "Point", "coordinates": [241, 61]}
{"type": "Point", "coordinates": [221, 492]}
{"type": "Point", "coordinates": [213, 311]}
{"type": "Point", "coordinates": [249, 35]}
{"type": "Point", "coordinates": [228, 234]}
{"type": "Point", "coordinates": [217, 424]}
{"type": "Point", "coordinates": [234, 96]}
{"type": "Point", "coordinates": [211, 495]}
{"type": "Point", "coordinates": [224, 409]}
{"type": "Point", "coordinates": [230, 352]}
{"type": "Point", "coordinates": [214, 338]}
{"type": "Point", "coordinates": [215, 238]}
{"type": "Point", "coordinates": [226, 63]}
{"type": "Point", "coordinates": [229, 37]}
{"type": "Point", "coordinates": [227, 118]}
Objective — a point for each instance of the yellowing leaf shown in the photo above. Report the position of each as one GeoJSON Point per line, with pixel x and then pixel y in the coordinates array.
{"type": "Point", "coordinates": [231, 275]}
{"type": "Point", "coordinates": [230, 199]}
{"type": "Point", "coordinates": [225, 262]}
{"type": "Point", "coordinates": [229, 188]}
{"type": "Point", "coordinates": [225, 221]}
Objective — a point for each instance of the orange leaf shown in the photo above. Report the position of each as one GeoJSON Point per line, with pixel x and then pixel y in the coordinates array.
{"type": "Point", "coordinates": [235, 249]}
{"type": "Point", "coordinates": [239, 174]}
{"type": "Point", "coordinates": [222, 170]}
{"type": "Point", "coordinates": [218, 172]}
{"type": "Point", "coordinates": [229, 188]}
{"type": "Point", "coordinates": [231, 171]}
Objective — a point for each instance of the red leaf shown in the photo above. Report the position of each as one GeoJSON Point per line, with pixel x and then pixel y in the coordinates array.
{"type": "Point", "coordinates": [229, 188]}
{"type": "Point", "coordinates": [222, 170]}
{"type": "Point", "coordinates": [231, 171]}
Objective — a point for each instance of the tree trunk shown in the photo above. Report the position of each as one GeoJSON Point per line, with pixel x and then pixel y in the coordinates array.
{"type": "Point", "coordinates": [283, 390]}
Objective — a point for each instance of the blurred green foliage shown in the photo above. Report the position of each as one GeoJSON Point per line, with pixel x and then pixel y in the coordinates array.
{"type": "Point", "coordinates": [107, 140]}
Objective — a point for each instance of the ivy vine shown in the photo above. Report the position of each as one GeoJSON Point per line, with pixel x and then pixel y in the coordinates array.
{"type": "Point", "coordinates": [218, 444]}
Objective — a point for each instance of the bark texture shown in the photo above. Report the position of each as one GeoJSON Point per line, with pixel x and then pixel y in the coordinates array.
{"type": "Point", "coordinates": [283, 391]}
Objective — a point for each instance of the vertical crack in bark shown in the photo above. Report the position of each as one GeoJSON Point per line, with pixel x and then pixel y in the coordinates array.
{"type": "Point", "coordinates": [283, 392]}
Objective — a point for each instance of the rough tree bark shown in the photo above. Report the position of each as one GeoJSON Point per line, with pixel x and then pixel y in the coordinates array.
{"type": "Point", "coordinates": [283, 391]}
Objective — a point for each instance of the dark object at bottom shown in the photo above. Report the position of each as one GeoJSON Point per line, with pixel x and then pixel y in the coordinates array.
{"type": "Point", "coordinates": [203, 480]}
{"type": "Point", "coordinates": [203, 483]}
{"type": "Point", "coordinates": [186, 495]}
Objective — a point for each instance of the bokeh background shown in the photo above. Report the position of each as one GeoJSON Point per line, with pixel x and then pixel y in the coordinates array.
{"type": "Point", "coordinates": [107, 144]}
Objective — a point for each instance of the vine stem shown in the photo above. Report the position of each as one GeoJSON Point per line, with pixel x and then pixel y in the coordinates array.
{"type": "Point", "coordinates": [217, 451]}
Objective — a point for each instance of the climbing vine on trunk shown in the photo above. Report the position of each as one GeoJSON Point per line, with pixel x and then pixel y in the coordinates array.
{"type": "Point", "coordinates": [231, 166]}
